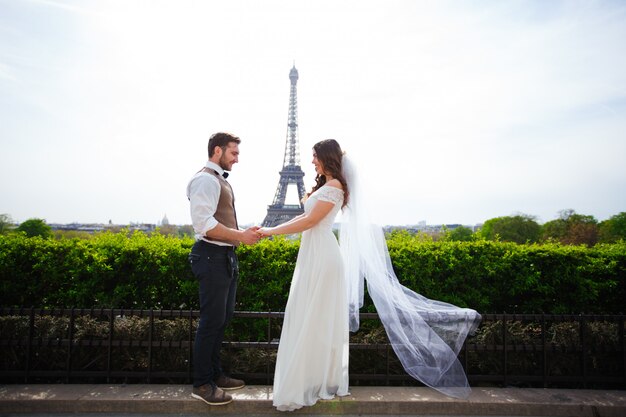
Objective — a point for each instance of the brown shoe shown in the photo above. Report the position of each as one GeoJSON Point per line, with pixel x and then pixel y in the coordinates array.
{"type": "Point", "coordinates": [227, 383]}
{"type": "Point", "coordinates": [211, 395]}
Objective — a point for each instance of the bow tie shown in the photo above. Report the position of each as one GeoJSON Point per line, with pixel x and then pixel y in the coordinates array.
{"type": "Point", "coordinates": [225, 174]}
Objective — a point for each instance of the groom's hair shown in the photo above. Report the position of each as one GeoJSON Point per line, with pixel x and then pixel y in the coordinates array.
{"type": "Point", "coordinates": [222, 140]}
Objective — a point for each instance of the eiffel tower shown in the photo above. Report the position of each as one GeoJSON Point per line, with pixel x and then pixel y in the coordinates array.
{"type": "Point", "coordinates": [279, 212]}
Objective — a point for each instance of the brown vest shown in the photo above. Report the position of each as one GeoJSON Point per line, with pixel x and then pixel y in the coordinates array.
{"type": "Point", "coordinates": [225, 213]}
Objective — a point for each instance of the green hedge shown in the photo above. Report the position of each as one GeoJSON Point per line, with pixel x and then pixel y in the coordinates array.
{"type": "Point", "coordinates": [507, 277]}
{"type": "Point", "coordinates": [140, 271]}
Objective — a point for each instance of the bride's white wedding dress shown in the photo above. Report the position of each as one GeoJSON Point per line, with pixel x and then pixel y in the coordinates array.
{"type": "Point", "coordinates": [312, 360]}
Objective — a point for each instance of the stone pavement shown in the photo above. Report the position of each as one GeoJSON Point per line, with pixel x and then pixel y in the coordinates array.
{"type": "Point", "coordinates": [257, 400]}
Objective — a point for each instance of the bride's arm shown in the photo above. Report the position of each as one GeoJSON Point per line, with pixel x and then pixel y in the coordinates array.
{"type": "Point", "coordinates": [292, 220]}
{"type": "Point", "coordinates": [302, 222]}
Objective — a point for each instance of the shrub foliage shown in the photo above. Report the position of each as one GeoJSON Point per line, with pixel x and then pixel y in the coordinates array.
{"type": "Point", "coordinates": [140, 271]}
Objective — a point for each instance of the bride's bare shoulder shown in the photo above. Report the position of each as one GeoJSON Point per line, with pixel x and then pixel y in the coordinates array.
{"type": "Point", "coordinates": [335, 184]}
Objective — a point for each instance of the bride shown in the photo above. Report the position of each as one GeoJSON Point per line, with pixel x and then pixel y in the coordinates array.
{"type": "Point", "coordinates": [312, 357]}
{"type": "Point", "coordinates": [327, 291]}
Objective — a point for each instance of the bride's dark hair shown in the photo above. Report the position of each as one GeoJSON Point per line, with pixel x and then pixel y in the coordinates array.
{"type": "Point", "coordinates": [330, 155]}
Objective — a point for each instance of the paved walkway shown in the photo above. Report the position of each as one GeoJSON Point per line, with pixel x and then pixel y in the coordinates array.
{"type": "Point", "coordinates": [257, 400]}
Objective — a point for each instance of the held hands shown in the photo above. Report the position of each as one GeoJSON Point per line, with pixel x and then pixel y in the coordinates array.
{"type": "Point", "coordinates": [253, 234]}
{"type": "Point", "coordinates": [250, 236]}
{"type": "Point", "coordinates": [264, 232]}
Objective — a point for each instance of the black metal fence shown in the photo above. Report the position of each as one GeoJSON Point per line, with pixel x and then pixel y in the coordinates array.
{"type": "Point", "coordinates": [155, 346]}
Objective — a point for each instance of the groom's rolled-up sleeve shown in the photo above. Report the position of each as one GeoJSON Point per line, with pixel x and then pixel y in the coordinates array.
{"type": "Point", "coordinates": [204, 193]}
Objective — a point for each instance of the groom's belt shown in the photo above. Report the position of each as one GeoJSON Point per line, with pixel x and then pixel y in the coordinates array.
{"type": "Point", "coordinates": [214, 247]}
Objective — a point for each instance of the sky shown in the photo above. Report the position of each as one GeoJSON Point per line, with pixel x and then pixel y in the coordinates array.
{"type": "Point", "coordinates": [455, 111]}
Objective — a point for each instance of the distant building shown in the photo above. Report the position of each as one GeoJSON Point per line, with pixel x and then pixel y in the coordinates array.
{"type": "Point", "coordinates": [99, 227]}
{"type": "Point", "coordinates": [81, 227]}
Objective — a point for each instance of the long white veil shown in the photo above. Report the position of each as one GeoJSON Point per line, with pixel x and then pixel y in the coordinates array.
{"type": "Point", "coordinates": [426, 335]}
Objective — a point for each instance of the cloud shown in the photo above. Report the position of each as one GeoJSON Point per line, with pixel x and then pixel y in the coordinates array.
{"type": "Point", "coordinates": [62, 5]}
{"type": "Point", "coordinates": [7, 73]}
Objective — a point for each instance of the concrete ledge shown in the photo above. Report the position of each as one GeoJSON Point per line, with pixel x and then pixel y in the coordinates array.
{"type": "Point", "coordinates": [257, 400]}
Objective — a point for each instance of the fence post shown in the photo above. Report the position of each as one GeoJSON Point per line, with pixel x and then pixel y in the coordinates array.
{"type": "Point", "coordinates": [110, 344]}
{"type": "Point", "coordinates": [190, 356]}
{"type": "Point", "coordinates": [387, 372]}
{"type": "Point", "coordinates": [622, 343]}
{"type": "Point", "coordinates": [465, 355]}
{"type": "Point", "coordinates": [70, 340]}
{"type": "Point", "coordinates": [269, 342]}
{"type": "Point", "coordinates": [504, 351]}
{"type": "Point", "coordinates": [544, 350]}
{"type": "Point", "coordinates": [31, 335]}
{"type": "Point", "coordinates": [150, 338]}
{"type": "Point", "coordinates": [583, 347]}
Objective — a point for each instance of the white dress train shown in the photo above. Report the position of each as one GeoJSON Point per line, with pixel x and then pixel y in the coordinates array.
{"type": "Point", "coordinates": [312, 361]}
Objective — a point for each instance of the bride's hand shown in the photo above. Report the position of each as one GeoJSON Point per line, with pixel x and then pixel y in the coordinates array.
{"type": "Point", "coordinates": [264, 232]}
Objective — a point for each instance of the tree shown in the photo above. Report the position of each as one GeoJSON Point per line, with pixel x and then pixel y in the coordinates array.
{"type": "Point", "coordinates": [186, 231]}
{"type": "Point", "coordinates": [582, 233]}
{"type": "Point", "coordinates": [461, 234]}
{"type": "Point", "coordinates": [167, 230]}
{"type": "Point", "coordinates": [35, 227]}
{"type": "Point", "coordinates": [521, 228]}
{"type": "Point", "coordinates": [614, 228]}
{"type": "Point", "coordinates": [6, 224]}
{"type": "Point", "coordinates": [572, 228]}
{"type": "Point", "coordinates": [554, 230]}
{"type": "Point", "coordinates": [71, 234]}
{"type": "Point", "coordinates": [486, 230]}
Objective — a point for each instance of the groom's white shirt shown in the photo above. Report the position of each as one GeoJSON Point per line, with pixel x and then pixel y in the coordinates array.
{"type": "Point", "coordinates": [203, 192]}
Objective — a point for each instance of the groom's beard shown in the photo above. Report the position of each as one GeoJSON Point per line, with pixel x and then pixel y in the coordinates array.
{"type": "Point", "coordinates": [224, 164]}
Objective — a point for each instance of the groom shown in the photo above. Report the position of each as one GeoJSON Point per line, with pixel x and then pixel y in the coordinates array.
{"type": "Point", "coordinates": [214, 264]}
